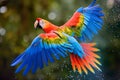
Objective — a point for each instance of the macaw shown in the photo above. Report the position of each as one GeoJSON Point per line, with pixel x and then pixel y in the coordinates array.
{"type": "Point", "coordinates": [61, 41]}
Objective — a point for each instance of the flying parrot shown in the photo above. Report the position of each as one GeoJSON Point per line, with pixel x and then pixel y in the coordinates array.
{"type": "Point", "coordinates": [66, 40]}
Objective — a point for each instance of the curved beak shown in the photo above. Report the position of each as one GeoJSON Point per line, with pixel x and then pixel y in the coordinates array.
{"type": "Point", "coordinates": [35, 24]}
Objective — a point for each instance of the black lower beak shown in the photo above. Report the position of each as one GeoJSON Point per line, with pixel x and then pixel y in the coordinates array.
{"type": "Point", "coordinates": [39, 26]}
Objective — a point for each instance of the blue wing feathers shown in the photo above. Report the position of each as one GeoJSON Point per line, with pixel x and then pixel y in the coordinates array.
{"type": "Point", "coordinates": [35, 61]}
{"type": "Point", "coordinates": [29, 65]}
{"type": "Point", "coordinates": [39, 53]}
{"type": "Point", "coordinates": [59, 53]}
{"type": "Point", "coordinates": [86, 34]}
{"type": "Point", "coordinates": [17, 60]}
{"type": "Point", "coordinates": [92, 20]}
{"type": "Point", "coordinates": [28, 61]}
{"type": "Point", "coordinates": [92, 3]}
{"type": "Point", "coordinates": [49, 56]}
{"type": "Point", "coordinates": [44, 58]}
{"type": "Point", "coordinates": [62, 52]}
{"type": "Point", "coordinates": [69, 47]}
{"type": "Point", "coordinates": [35, 64]}
{"type": "Point", "coordinates": [55, 51]}
{"type": "Point", "coordinates": [77, 49]}
{"type": "Point", "coordinates": [48, 52]}
{"type": "Point", "coordinates": [25, 61]}
{"type": "Point", "coordinates": [52, 51]}
{"type": "Point", "coordinates": [55, 54]}
{"type": "Point", "coordinates": [39, 58]}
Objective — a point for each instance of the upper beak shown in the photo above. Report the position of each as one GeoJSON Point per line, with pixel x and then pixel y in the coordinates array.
{"type": "Point", "coordinates": [36, 24]}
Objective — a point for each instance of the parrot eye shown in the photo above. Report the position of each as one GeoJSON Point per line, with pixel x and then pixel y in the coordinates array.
{"type": "Point", "coordinates": [41, 23]}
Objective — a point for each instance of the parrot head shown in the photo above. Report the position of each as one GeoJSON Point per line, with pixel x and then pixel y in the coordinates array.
{"type": "Point", "coordinates": [44, 24]}
{"type": "Point", "coordinates": [40, 23]}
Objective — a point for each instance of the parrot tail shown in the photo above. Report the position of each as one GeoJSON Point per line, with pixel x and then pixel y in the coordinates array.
{"type": "Point", "coordinates": [89, 61]}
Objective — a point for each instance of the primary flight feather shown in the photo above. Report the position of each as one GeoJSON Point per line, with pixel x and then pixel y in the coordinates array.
{"type": "Point", "coordinates": [58, 41]}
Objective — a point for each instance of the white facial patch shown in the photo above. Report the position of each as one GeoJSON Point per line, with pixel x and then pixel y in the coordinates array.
{"type": "Point", "coordinates": [41, 23]}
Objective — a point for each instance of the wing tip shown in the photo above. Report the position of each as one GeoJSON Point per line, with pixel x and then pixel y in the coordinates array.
{"type": "Point", "coordinates": [92, 3]}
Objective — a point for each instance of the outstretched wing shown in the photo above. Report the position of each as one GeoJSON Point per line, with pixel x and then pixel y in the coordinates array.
{"type": "Point", "coordinates": [42, 50]}
{"type": "Point", "coordinates": [85, 22]}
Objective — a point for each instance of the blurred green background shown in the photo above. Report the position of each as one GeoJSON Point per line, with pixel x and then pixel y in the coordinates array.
{"type": "Point", "coordinates": [17, 31]}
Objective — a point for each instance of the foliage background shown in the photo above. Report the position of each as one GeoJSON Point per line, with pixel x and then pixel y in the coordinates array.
{"type": "Point", "coordinates": [16, 33]}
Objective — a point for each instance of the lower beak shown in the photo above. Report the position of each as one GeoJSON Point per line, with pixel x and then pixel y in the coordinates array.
{"type": "Point", "coordinates": [39, 26]}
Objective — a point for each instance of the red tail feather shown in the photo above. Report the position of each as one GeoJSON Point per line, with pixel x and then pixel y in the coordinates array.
{"type": "Point", "coordinates": [88, 61]}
